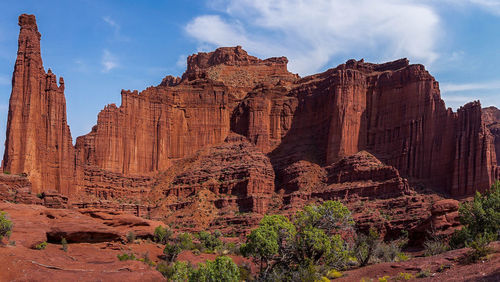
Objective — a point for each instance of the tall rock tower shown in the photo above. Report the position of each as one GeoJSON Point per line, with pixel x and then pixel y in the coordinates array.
{"type": "Point", "coordinates": [38, 140]}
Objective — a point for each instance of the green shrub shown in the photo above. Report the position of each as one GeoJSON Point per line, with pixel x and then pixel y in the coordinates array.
{"type": "Point", "coordinates": [179, 272]}
{"type": "Point", "coordinates": [185, 241]}
{"type": "Point", "coordinates": [423, 273]}
{"type": "Point", "coordinates": [162, 234]}
{"type": "Point", "coordinates": [64, 244]}
{"type": "Point", "coordinates": [245, 272]}
{"type": "Point", "coordinates": [41, 246]}
{"type": "Point", "coordinates": [365, 246]}
{"type": "Point", "coordinates": [404, 276]}
{"type": "Point", "coordinates": [480, 247]}
{"type": "Point", "coordinates": [459, 238]}
{"type": "Point", "coordinates": [221, 269]}
{"type": "Point", "coordinates": [126, 256]}
{"type": "Point", "coordinates": [171, 251]}
{"type": "Point", "coordinates": [145, 259]}
{"type": "Point", "coordinates": [304, 248]}
{"type": "Point", "coordinates": [5, 226]}
{"type": "Point", "coordinates": [210, 241]}
{"type": "Point", "coordinates": [403, 257]}
{"type": "Point", "coordinates": [387, 252]}
{"type": "Point", "coordinates": [434, 246]}
{"type": "Point", "coordinates": [334, 274]}
{"type": "Point", "coordinates": [382, 279]}
{"type": "Point", "coordinates": [481, 216]}
{"type": "Point", "coordinates": [130, 237]}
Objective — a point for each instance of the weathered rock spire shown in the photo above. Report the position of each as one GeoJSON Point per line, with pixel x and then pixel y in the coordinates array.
{"type": "Point", "coordinates": [38, 140]}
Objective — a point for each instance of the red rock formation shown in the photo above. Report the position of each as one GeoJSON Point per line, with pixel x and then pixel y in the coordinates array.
{"type": "Point", "coordinates": [38, 138]}
{"type": "Point", "coordinates": [491, 117]}
{"type": "Point", "coordinates": [392, 110]}
{"type": "Point", "coordinates": [153, 127]}
{"type": "Point", "coordinates": [231, 177]}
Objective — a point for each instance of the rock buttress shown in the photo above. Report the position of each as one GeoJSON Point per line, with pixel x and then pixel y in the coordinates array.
{"type": "Point", "coordinates": [38, 140]}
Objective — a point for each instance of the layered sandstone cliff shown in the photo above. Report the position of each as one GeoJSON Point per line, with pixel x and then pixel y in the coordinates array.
{"type": "Point", "coordinates": [295, 130]}
{"type": "Point", "coordinates": [38, 140]}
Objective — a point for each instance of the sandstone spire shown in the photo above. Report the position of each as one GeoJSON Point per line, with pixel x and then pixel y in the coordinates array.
{"type": "Point", "coordinates": [38, 140]}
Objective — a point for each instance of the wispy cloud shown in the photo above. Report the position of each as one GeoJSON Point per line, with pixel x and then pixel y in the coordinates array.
{"type": "Point", "coordinates": [108, 61]}
{"type": "Point", "coordinates": [492, 6]}
{"type": "Point", "coordinates": [458, 87]}
{"type": "Point", "coordinates": [311, 32]}
{"type": "Point", "coordinates": [116, 28]}
{"type": "Point", "coordinates": [111, 22]}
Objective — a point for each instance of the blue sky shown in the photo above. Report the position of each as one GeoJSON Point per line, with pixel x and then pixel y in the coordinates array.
{"type": "Point", "coordinates": [101, 47]}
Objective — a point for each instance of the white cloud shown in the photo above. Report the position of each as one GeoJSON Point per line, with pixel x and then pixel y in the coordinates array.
{"type": "Point", "coordinates": [108, 61]}
{"type": "Point", "coordinates": [111, 22]}
{"type": "Point", "coordinates": [311, 32]}
{"type": "Point", "coordinates": [116, 29]}
{"type": "Point", "coordinates": [458, 87]}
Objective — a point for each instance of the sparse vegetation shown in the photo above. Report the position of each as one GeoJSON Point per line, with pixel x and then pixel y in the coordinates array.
{"type": "Point", "coordinates": [480, 247]}
{"type": "Point", "coordinates": [130, 237]}
{"type": "Point", "coordinates": [171, 251]}
{"type": "Point", "coordinates": [125, 256]}
{"type": "Point", "coordinates": [365, 246]}
{"type": "Point", "coordinates": [423, 273]}
{"type": "Point", "coordinates": [185, 241]}
{"type": "Point", "coordinates": [404, 276]}
{"type": "Point", "coordinates": [5, 225]}
{"type": "Point", "coordinates": [481, 218]}
{"type": "Point", "coordinates": [209, 241]}
{"type": "Point", "coordinates": [435, 245]}
{"type": "Point", "coordinates": [41, 246]}
{"type": "Point", "coordinates": [162, 234]}
{"type": "Point", "coordinates": [64, 244]}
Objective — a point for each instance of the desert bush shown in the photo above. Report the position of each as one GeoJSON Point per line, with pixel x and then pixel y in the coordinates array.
{"type": "Point", "coordinates": [245, 272]}
{"type": "Point", "coordinates": [404, 276]}
{"type": "Point", "coordinates": [481, 216]}
{"type": "Point", "coordinates": [334, 274]}
{"type": "Point", "coordinates": [365, 246]}
{"type": "Point", "coordinates": [387, 252]}
{"type": "Point", "coordinates": [210, 241]}
{"type": "Point", "coordinates": [130, 237]}
{"type": "Point", "coordinates": [64, 244]}
{"type": "Point", "coordinates": [221, 269]}
{"type": "Point", "coordinates": [423, 273]}
{"type": "Point", "coordinates": [5, 226]}
{"type": "Point", "coordinates": [41, 246]}
{"type": "Point", "coordinates": [480, 247]}
{"type": "Point", "coordinates": [185, 241]}
{"type": "Point", "coordinates": [178, 271]}
{"type": "Point", "coordinates": [162, 234]}
{"type": "Point", "coordinates": [290, 250]}
{"type": "Point", "coordinates": [125, 256]}
{"type": "Point", "coordinates": [434, 247]}
{"type": "Point", "coordinates": [171, 251]}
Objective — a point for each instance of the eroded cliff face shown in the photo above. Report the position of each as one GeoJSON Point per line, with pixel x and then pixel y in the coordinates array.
{"type": "Point", "coordinates": [491, 117]}
{"type": "Point", "coordinates": [38, 140]}
{"type": "Point", "coordinates": [393, 110]}
{"type": "Point", "coordinates": [255, 131]}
